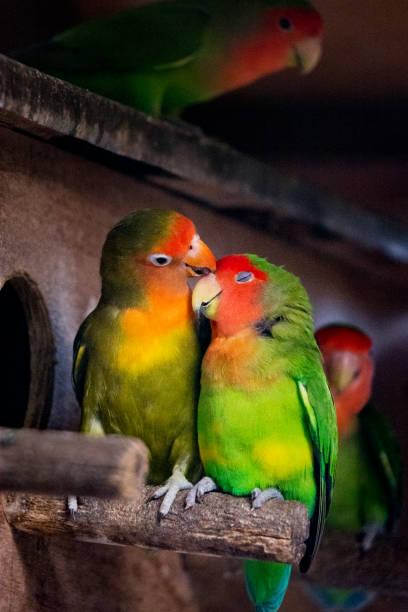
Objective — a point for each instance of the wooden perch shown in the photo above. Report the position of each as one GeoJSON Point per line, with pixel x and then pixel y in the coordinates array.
{"type": "Point", "coordinates": [384, 568]}
{"type": "Point", "coordinates": [222, 525]}
{"type": "Point", "coordinates": [55, 462]}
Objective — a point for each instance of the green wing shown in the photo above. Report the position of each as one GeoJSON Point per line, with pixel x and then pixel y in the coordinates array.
{"type": "Point", "coordinates": [321, 418]}
{"type": "Point", "coordinates": [80, 361]}
{"type": "Point", "coordinates": [151, 37]}
{"type": "Point", "coordinates": [384, 452]}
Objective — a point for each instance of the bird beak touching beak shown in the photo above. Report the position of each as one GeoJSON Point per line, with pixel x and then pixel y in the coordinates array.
{"type": "Point", "coordinates": [206, 297]}
{"type": "Point", "coordinates": [306, 54]}
{"type": "Point", "coordinates": [199, 261]}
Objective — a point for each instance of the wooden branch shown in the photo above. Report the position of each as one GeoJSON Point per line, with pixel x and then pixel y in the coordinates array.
{"type": "Point", "coordinates": [341, 563]}
{"type": "Point", "coordinates": [222, 525]}
{"type": "Point", "coordinates": [47, 106]}
{"type": "Point", "coordinates": [56, 462]}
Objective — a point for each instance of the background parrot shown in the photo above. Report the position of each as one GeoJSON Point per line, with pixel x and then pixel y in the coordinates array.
{"type": "Point", "coordinates": [368, 493]}
{"type": "Point", "coordinates": [266, 421]}
{"type": "Point", "coordinates": [165, 56]}
{"type": "Point", "coordinates": [137, 356]}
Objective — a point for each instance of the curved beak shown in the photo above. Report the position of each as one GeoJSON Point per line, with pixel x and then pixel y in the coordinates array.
{"type": "Point", "coordinates": [341, 367]}
{"type": "Point", "coordinates": [206, 296]}
{"type": "Point", "coordinates": [306, 54]}
{"type": "Point", "coordinates": [201, 261]}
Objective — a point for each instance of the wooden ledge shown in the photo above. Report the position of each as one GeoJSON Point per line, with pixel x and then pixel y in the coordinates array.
{"type": "Point", "coordinates": [221, 525]}
{"type": "Point", "coordinates": [43, 105]}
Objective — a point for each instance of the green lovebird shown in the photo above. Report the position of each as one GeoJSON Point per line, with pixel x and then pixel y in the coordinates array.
{"type": "Point", "coordinates": [266, 420]}
{"type": "Point", "coordinates": [368, 496]}
{"type": "Point", "coordinates": [137, 356]}
{"type": "Point", "coordinates": [162, 57]}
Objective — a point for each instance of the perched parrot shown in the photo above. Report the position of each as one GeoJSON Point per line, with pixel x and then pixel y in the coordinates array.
{"type": "Point", "coordinates": [165, 56]}
{"type": "Point", "coordinates": [136, 356]}
{"type": "Point", "coordinates": [266, 420]}
{"type": "Point", "coordinates": [368, 493]}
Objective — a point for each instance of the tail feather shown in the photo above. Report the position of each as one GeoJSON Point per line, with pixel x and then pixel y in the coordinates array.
{"type": "Point", "coordinates": [336, 599]}
{"type": "Point", "coordinates": [267, 584]}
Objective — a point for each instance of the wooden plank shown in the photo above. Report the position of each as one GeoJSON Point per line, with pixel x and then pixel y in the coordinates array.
{"type": "Point", "coordinates": [56, 462]}
{"type": "Point", "coordinates": [28, 97]}
{"type": "Point", "coordinates": [221, 525]}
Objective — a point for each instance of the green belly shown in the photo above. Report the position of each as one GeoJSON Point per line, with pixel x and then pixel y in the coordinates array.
{"type": "Point", "coordinates": [251, 439]}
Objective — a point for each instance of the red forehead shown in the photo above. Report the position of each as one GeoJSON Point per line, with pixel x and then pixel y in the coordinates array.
{"type": "Point", "coordinates": [342, 337]}
{"type": "Point", "coordinates": [178, 239]}
{"type": "Point", "coordinates": [239, 263]}
{"type": "Point", "coordinates": [305, 21]}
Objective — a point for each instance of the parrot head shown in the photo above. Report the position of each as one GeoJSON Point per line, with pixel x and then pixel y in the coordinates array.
{"type": "Point", "coordinates": [249, 293]}
{"type": "Point", "coordinates": [153, 247]}
{"type": "Point", "coordinates": [287, 33]}
{"type": "Point", "coordinates": [349, 369]}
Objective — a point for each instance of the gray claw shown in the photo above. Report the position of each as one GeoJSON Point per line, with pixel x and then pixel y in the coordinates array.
{"type": "Point", "coordinates": [72, 503]}
{"type": "Point", "coordinates": [177, 482]}
{"type": "Point", "coordinates": [195, 495]}
{"type": "Point", "coordinates": [259, 497]}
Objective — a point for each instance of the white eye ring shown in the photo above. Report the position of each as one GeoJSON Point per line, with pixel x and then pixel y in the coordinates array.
{"type": "Point", "coordinates": [244, 277]}
{"type": "Point", "coordinates": [160, 259]}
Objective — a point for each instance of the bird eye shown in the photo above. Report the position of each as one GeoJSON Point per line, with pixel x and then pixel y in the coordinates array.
{"type": "Point", "coordinates": [244, 277]}
{"type": "Point", "coordinates": [160, 259]}
{"type": "Point", "coordinates": [285, 24]}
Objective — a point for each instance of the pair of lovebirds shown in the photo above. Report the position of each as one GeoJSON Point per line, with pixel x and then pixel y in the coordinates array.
{"type": "Point", "coordinates": [262, 411]}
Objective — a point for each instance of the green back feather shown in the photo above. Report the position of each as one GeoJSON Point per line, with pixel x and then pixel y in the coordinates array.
{"type": "Point", "coordinates": [286, 300]}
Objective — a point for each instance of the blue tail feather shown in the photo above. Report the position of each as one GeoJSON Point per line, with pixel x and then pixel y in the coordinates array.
{"type": "Point", "coordinates": [267, 584]}
{"type": "Point", "coordinates": [336, 599]}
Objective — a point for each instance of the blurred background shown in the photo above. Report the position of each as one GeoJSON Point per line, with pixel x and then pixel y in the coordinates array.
{"type": "Point", "coordinates": [342, 128]}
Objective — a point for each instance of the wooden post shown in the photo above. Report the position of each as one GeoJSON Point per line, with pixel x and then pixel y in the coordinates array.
{"type": "Point", "coordinates": [221, 525]}
{"type": "Point", "coordinates": [56, 462]}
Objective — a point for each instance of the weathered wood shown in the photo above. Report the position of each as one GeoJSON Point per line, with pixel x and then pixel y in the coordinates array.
{"type": "Point", "coordinates": [55, 462]}
{"type": "Point", "coordinates": [50, 106]}
{"type": "Point", "coordinates": [340, 562]}
{"type": "Point", "coordinates": [222, 525]}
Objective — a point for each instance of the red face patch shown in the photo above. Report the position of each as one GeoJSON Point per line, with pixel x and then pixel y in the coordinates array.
{"type": "Point", "coordinates": [242, 284]}
{"type": "Point", "coordinates": [294, 23]}
{"type": "Point", "coordinates": [181, 233]}
{"type": "Point", "coordinates": [343, 337]}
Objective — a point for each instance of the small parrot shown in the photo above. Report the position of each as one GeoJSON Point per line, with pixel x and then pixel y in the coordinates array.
{"type": "Point", "coordinates": [163, 57]}
{"type": "Point", "coordinates": [368, 494]}
{"type": "Point", "coordinates": [137, 357]}
{"type": "Point", "coordinates": [266, 421]}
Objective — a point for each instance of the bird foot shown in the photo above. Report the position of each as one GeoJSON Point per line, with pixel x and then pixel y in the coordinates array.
{"type": "Point", "coordinates": [177, 482]}
{"type": "Point", "coordinates": [259, 497]}
{"type": "Point", "coordinates": [369, 534]}
{"type": "Point", "coordinates": [72, 503]}
{"type": "Point", "coordinates": [195, 495]}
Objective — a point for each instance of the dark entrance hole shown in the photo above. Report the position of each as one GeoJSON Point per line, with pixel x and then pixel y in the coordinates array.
{"type": "Point", "coordinates": [26, 355]}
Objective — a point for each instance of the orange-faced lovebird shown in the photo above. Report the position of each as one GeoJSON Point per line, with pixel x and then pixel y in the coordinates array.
{"type": "Point", "coordinates": [137, 356]}
{"type": "Point", "coordinates": [368, 493]}
{"type": "Point", "coordinates": [163, 57]}
{"type": "Point", "coordinates": [266, 420]}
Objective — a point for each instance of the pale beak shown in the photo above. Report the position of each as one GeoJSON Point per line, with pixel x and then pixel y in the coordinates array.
{"type": "Point", "coordinates": [306, 54]}
{"type": "Point", "coordinates": [206, 296]}
{"type": "Point", "coordinates": [201, 262]}
{"type": "Point", "coordinates": [341, 367]}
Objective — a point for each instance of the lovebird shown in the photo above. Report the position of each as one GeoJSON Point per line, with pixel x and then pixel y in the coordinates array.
{"type": "Point", "coordinates": [367, 498]}
{"type": "Point", "coordinates": [163, 57]}
{"type": "Point", "coordinates": [137, 357]}
{"type": "Point", "coordinates": [266, 421]}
